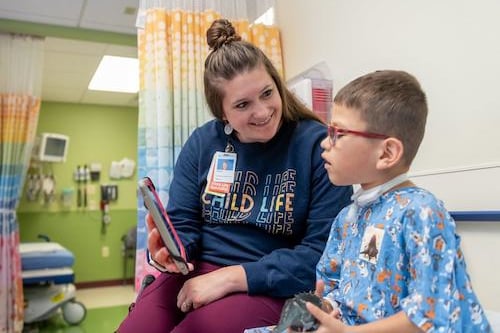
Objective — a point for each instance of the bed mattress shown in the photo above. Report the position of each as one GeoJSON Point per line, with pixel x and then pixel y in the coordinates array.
{"type": "Point", "coordinates": [44, 255]}
{"type": "Point", "coordinates": [55, 275]}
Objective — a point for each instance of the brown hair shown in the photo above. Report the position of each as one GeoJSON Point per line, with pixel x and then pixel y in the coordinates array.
{"type": "Point", "coordinates": [231, 56]}
{"type": "Point", "coordinates": [390, 102]}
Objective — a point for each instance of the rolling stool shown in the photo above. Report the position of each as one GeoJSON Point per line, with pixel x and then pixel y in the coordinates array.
{"type": "Point", "coordinates": [129, 241]}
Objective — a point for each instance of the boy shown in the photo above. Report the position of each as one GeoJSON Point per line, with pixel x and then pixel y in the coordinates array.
{"type": "Point", "coordinates": [393, 261]}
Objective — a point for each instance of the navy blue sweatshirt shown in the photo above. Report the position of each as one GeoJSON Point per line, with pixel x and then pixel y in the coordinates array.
{"type": "Point", "coordinates": [276, 219]}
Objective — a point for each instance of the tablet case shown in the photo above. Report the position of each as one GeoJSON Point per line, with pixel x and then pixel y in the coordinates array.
{"type": "Point", "coordinates": [162, 221]}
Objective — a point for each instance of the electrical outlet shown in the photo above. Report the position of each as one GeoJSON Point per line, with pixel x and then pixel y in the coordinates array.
{"type": "Point", "coordinates": [105, 251]}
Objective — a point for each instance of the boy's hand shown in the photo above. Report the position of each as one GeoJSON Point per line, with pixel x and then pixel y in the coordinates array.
{"type": "Point", "coordinates": [329, 322]}
{"type": "Point", "coordinates": [326, 316]}
{"type": "Point", "coordinates": [320, 288]}
{"type": "Point", "coordinates": [326, 305]}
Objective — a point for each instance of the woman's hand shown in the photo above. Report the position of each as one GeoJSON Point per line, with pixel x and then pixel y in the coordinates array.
{"type": "Point", "coordinates": [210, 287]}
{"type": "Point", "coordinates": [157, 248]}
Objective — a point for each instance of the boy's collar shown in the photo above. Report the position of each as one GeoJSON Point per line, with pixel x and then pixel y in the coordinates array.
{"type": "Point", "coordinates": [362, 198]}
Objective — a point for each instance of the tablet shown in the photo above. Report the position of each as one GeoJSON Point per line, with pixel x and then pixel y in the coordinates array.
{"type": "Point", "coordinates": [162, 222]}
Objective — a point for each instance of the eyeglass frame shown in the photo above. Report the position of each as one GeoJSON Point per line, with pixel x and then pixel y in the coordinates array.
{"type": "Point", "coordinates": [334, 131]}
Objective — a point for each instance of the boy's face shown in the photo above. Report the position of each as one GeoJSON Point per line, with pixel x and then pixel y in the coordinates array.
{"type": "Point", "coordinates": [352, 157]}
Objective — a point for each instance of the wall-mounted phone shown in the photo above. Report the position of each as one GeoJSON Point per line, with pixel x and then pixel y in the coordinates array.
{"type": "Point", "coordinates": [108, 193]}
{"type": "Point", "coordinates": [314, 87]}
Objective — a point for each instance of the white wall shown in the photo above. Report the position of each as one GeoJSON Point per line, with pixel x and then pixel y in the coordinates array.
{"type": "Point", "coordinates": [453, 48]}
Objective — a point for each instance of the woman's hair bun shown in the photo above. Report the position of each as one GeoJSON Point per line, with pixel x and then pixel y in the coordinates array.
{"type": "Point", "coordinates": [220, 33]}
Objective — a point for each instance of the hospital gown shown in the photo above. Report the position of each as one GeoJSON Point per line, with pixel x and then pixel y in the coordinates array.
{"type": "Point", "coordinates": [402, 254]}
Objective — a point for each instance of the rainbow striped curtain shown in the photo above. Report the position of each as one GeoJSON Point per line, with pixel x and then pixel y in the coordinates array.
{"type": "Point", "coordinates": [21, 64]}
{"type": "Point", "coordinates": [172, 50]}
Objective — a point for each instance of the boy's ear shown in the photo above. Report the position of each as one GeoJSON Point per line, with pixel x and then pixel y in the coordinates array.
{"type": "Point", "coordinates": [391, 153]}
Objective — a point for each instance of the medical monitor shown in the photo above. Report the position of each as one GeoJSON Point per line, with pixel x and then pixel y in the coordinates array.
{"type": "Point", "coordinates": [51, 147]}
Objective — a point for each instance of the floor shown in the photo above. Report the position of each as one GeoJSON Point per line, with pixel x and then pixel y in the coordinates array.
{"type": "Point", "coordinates": [106, 308]}
{"type": "Point", "coordinates": [106, 297]}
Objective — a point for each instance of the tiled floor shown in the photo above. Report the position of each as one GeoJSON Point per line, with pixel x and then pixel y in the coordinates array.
{"type": "Point", "coordinates": [105, 297]}
{"type": "Point", "coordinates": [106, 308]}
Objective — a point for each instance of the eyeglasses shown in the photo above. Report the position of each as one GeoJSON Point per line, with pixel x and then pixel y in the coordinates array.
{"type": "Point", "coordinates": [334, 133]}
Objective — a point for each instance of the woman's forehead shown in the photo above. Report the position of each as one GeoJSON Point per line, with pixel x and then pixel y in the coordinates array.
{"type": "Point", "coordinates": [247, 84]}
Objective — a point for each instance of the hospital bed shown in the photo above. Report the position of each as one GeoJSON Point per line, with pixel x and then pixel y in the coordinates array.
{"type": "Point", "coordinates": [48, 283]}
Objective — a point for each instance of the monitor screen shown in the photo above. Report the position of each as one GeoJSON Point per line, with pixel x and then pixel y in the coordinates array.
{"type": "Point", "coordinates": [55, 146]}
{"type": "Point", "coordinates": [52, 147]}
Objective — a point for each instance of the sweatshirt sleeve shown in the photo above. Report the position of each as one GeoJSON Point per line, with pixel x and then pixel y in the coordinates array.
{"type": "Point", "coordinates": [183, 204]}
{"type": "Point", "coordinates": [285, 272]}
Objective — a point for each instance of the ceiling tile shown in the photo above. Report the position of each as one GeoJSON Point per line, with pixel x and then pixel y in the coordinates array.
{"type": "Point", "coordinates": [58, 12]}
{"type": "Point", "coordinates": [71, 62]}
{"type": "Point", "coordinates": [109, 98]}
{"type": "Point", "coordinates": [110, 15]}
{"type": "Point", "coordinates": [121, 51]}
{"type": "Point", "coordinates": [76, 81]}
{"type": "Point", "coordinates": [74, 46]}
{"type": "Point", "coordinates": [61, 94]}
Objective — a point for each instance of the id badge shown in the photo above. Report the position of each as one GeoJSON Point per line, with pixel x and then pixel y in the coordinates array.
{"type": "Point", "coordinates": [221, 173]}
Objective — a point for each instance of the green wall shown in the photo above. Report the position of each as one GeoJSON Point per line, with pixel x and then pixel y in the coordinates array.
{"type": "Point", "coordinates": [98, 134]}
{"type": "Point", "coordinates": [39, 29]}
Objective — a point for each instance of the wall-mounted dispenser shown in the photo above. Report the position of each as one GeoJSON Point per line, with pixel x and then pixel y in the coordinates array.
{"type": "Point", "coordinates": [314, 88]}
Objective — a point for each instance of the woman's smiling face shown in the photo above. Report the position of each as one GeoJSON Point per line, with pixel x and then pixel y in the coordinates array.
{"type": "Point", "coordinates": [252, 105]}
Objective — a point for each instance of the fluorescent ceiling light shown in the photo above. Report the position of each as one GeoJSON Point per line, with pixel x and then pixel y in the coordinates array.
{"type": "Point", "coordinates": [119, 74]}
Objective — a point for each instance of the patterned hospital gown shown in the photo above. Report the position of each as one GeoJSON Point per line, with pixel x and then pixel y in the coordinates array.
{"type": "Point", "coordinates": [402, 254]}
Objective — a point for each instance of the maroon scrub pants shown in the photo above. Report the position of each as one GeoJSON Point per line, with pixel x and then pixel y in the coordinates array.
{"type": "Point", "coordinates": [155, 310]}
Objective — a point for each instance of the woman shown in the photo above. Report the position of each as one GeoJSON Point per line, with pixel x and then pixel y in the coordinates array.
{"type": "Point", "coordinates": [255, 241]}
